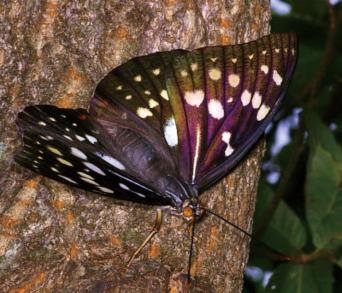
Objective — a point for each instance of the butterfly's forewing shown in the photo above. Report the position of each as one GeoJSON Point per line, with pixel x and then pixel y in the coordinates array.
{"type": "Point", "coordinates": [137, 89]}
{"type": "Point", "coordinates": [223, 98]}
{"type": "Point", "coordinates": [70, 146]}
{"type": "Point", "coordinates": [139, 86]}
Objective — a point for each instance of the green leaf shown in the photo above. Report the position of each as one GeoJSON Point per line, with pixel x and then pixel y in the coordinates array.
{"type": "Point", "coordinates": [323, 198]}
{"type": "Point", "coordinates": [313, 277]}
{"type": "Point", "coordinates": [285, 232]}
{"type": "Point", "coordinates": [321, 134]}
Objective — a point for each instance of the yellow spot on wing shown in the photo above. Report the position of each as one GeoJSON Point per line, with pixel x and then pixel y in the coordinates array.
{"type": "Point", "coordinates": [215, 74]}
{"type": "Point", "coordinates": [54, 150]}
{"type": "Point", "coordinates": [234, 80]}
{"type": "Point", "coordinates": [183, 73]}
{"type": "Point", "coordinates": [138, 78]}
{"type": "Point", "coordinates": [65, 162]}
{"type": "Point", "coordinates": [194, 66]}
{"type": "Point", "coordinates": [164, 95]}
{"type": "Point", "coordinates": [144, 112]}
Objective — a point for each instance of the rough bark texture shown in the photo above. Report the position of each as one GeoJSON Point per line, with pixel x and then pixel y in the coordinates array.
{"type": "Point", "coordinates": [57, 239]}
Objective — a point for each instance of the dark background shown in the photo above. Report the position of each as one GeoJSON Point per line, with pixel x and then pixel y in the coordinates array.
{"type": "Point", "coordinates": [299, 204]}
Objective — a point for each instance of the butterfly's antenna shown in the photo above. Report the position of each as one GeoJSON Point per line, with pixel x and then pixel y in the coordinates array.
{"type": "Point", "coordinates": [191, 250]}
{"type": "Point", "coordinates": [278, 253]}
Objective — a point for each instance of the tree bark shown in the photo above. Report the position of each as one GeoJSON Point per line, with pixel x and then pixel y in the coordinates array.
{"type": "Point", "coordinates": [57, 239]}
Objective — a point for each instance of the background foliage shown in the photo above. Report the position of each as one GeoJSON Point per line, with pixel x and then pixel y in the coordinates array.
{"type": "Point", "coordinates": [299, 208]}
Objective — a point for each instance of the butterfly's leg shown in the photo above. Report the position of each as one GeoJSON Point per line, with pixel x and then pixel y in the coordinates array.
{"type": "Point", "coordinates": [154, 231]}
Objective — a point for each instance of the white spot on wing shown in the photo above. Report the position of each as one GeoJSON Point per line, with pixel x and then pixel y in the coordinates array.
{"type": "Point", "coordinates": [110, 160]}
{"type": "Point", "coordinates": [230, 100]}
{"type": "Point", "coordinates": [256, 100]}
{"type": "Point", "coordinates": [91, 138]}
{"type": "Point", "coordinates": [234, 80]}
{"type": "Point", "coordinates": [170, 132]}
{"type": "Point", "coordinates": [119, 87]}
{"type": "Point", "coordinates": [140, 194]}
{"type": "Point", "coordinates": [67, 179]}
{"type": "Point", "coordinates": [54, 169]}
{"type": "Point", "coordinates": [164, 95]}
{"type": "Point", "coordinates": [80, 138]}
{"type": "Point", "coordinates": [246, 97]}
{"type": "Point", "coordinates": [128, 97]}
{"type": "Point", "coordinates": [264, 69]}
{"type": "Point", "coordinates": [144, 112]}
{"type": "Point", "coordinates": [77, 153]}
{"type": "Point", "coordinates": [42, 123]}
{"type": "Point", "coordinates": [277, 78]}
{"type": "Point", "coordinates": [234, 60]}
{"type": "Point", "coordinates": [85, 175]}
{"type": "Point", "coordinates": [215, 109]}
{"type": "Point", "coordinates": [152, 103]}
{"type": "Point", "coordinates": [262, 112]}
{"type": "Point", "coordinates": [123, 186]}
{"type": "Point", "coordinates": [105, 189]}
{"type": "Point", "coordinates": [226, 138]}
{"type": "Point", "coordinates": [94, 168]}
{"type": "Point", "coordinates": [147, 92]}
{"type": "Point", "coordinates": [90, 181]}
{"type": "Point", "coordinates": [194, 98]}
{"type": "Point", "coordinates": [52, 119]}
{"type": "Point", "coordinates": [215, 74]}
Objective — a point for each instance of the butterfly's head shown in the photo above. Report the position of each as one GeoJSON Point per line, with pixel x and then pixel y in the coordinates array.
{"type": "Point", "coordinates": [192, 210]}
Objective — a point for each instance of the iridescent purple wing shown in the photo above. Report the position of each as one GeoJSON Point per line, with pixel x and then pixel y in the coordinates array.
{"type": "Point", "coordinates": [207, 107]}
{"type": "Point", "coordinates": [223, 98]}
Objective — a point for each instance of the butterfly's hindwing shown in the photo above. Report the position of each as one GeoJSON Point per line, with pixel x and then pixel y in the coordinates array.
{"type": "Point", "coordinates": [68, 146]}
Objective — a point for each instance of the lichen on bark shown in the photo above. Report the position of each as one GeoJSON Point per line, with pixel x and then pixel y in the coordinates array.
{"type": "Point", "coordinates": [56, 238]}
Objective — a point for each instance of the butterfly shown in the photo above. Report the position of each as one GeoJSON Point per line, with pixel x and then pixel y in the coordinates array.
{"type": "Point", "coordinates": [162, 128]}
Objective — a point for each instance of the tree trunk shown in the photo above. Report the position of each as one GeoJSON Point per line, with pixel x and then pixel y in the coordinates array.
{"type": "Point", "coordinates": [60, 239]}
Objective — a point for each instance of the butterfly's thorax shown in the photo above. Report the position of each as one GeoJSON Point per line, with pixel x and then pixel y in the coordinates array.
{"type": "Point", "coordinates": [182, 195]}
